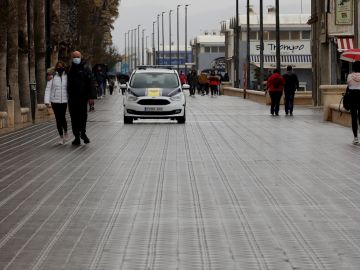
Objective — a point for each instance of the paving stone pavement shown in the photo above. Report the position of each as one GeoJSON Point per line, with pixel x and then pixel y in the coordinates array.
{"type": "Point", "coordinates": [233, 188]}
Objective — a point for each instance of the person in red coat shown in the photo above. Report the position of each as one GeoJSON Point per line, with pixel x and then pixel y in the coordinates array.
{"type": "Point", "coordinates": [275, 86]}
{"type": "Point", "coordinates": [214, 82]}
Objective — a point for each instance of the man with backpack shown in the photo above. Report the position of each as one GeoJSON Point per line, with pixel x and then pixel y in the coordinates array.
{"type": "Point", "coordinates": [291, 85]}
{"type": "Point", "coordinates": [275, 86]}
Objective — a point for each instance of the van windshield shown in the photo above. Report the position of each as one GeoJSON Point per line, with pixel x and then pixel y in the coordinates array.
{"type": "Point", "coordinates": [154, 80]}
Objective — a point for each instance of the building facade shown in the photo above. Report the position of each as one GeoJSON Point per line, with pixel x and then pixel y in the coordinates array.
{"type": "Point", "coordinates": [209, 52]}
{"type": "Point", "coordinates": [295, 47]}
{"type": "Point", "coordinates": [170, 58]}
{"type": "Point", "coordinates": [335, 27]}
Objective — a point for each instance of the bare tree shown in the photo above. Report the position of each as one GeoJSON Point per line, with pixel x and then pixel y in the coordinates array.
{"type": "Point", "coordinates": [24, 86]}
{"type": "Point", "coordinates": [3, 54]}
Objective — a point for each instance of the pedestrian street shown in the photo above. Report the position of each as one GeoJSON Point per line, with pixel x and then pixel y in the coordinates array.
{"type": "Point", "coordinates": [232, 188]}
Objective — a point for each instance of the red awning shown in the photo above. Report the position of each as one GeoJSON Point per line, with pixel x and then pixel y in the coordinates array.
{"type": "Point", "coordinates": [345, 43]}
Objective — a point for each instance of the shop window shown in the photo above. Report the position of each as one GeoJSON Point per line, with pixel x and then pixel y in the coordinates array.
{"type": "Point", "coordinates": [253, 35]}
{"type": "Point", "coordinates": [214, 49]}
{"type": "Point", "coordinates": [306, 34]}
{"type": "Point", "coordinates": [295, 35]}
{"type": "Point", "coordinates": [221, 49]}
{"type": "Point", "coordinates": [272, 35]}
{"type": "Point", "coordinates": [207, 49]}
{"type": "Point", "coordinates": [284, 35]}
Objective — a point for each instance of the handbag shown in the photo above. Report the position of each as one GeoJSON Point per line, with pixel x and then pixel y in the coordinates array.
{"type": "Point", "coordinates": [346, 100]}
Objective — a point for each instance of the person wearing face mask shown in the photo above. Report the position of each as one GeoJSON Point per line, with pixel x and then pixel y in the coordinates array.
{"type": "Point", "coordinates": [80, 91]}
{"type": "Point", "coordinates": [56, 95]}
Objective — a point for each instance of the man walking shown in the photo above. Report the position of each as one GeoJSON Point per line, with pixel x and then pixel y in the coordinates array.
{"type": "Point", "coordinates": [80, 91]}
{"type": "Point", "coordinates": [291, 85]}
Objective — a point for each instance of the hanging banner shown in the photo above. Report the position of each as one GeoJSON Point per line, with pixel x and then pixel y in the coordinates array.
{"type": "Point", "coordinates": [344, 12]}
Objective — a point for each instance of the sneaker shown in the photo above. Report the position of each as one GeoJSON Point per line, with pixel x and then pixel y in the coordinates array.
{"type": "Point", "coordinates": [62, 141]}
{"type": "Point", "coordinates": [76, 141]}
{"type": "Point", "coordinates": [66, 136]}
{"type": "Point", "coordinates": [85, 138]}
{"type": "Point", "coordinates": [356, 140]}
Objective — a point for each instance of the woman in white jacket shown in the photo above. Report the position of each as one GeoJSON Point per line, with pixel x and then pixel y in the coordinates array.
{"type": "Point", "coordinates": [56, 95]}
{"type": "Point", "coordinates": [353, 81]}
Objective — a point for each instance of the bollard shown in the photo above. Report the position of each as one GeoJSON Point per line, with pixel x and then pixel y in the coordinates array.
{"type": "Point", "coordinates": [33, 100]}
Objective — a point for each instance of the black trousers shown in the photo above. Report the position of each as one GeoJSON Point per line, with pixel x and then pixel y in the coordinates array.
{"type": "Point", "coordinates": [289, 102]}
{"type": "Point", "coordinates": [355, 110]}
{"type": "Point", "coordinates": [60, 112]}
{"type": "Point", "coordinates": [78, 114]}
{"type": "Point", "coordinates": [275, 101]}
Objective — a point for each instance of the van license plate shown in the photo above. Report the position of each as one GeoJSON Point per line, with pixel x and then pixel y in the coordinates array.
{"type": "Point", "coordinates": [153, 109]}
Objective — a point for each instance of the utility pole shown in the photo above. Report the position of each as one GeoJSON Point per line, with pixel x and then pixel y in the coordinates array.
{"type": "Point", "coordinates": [153, 44]}
{"type": "Point", "coordinates": [178, 49]}
{"type": "Point", "coordinates": [162, 37]}
{"type": "Point", "coordinates": [158, 41]}
{"type": "Point", "coordinates": [170, 36]}
{"type": "Point", "coordinates": [186, 55]}
{"type": "Point", "coordinates": [261, 46]}
{"type": "Point", "coordinates": [277, 7]}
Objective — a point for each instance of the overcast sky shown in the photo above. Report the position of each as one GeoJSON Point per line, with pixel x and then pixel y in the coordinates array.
{"type": "Point", "coordinates": [203, 15]}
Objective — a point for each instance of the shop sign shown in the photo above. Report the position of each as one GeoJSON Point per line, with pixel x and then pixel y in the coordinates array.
{"type": "Point", "coordinates": [343, 12]}
{"type": "Point", "coordinates": [286, 48]}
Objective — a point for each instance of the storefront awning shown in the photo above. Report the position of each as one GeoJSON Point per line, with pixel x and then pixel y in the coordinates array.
{"type": "Point", "coordinates": [296, 61]}
{"type": "Point", "coordinates": [345, 43]}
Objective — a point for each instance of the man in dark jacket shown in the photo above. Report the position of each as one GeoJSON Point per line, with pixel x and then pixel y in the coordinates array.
{"type": "Point", "coordinates": [291, 85]}
{"type": "Point", "coordinates": [80, 91]}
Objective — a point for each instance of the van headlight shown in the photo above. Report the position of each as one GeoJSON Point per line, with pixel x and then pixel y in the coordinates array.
{"type": "Point", "coordinates": [177, 97]}
{"type": "Point", "coordinates": [131, 98]}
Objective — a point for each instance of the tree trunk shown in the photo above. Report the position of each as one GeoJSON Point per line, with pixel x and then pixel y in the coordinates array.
{"type": "Point", "coordinates": [24, 87]}
{"type": "Point", "coordinates": [32, 75]}
{"type": "Point", "coordinates": [55, 30]}
{"type": "Point", "coordinates": [13, 58]}
{"type": "Point", "coordinates": [3, 55]}
{"type": "Point", "coordinates": [40, 45]}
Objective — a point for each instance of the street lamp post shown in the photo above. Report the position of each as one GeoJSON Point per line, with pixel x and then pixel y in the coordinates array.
{"type": "Point", "coordinates": [142, 40]}
{"type": "Point", "coordinates": [135, 49]}
{"type": "Point", "coordinates": [158, 41]}
{"type": "Point", "coordinates": [153, 44]}
{"type": "Point", "coordinates": [138, 29]}
{"type": "Point", "coordinates": [261, 46]}
{"type": "Point", "coordinates": [146, 50]}
{"type": "Point", "coordinates": [248, 45]}
{"type": "Point", "coordinates": [131, 49]}
{"type": "Point", "coordinates": [125, 50]}
{"type": "Point", "coordinates": [170, 56]}
{"type": "Point", "coordinates": [236, 53]}
{"type": "Point", "coordinates": [129, 55]}
{"type": "Point", "coordinates": [163, 38]}
{"type": "Point", "coordinates": [277, 34]}
{"type": "Point", "coordinates": [186, 55]}
{"type": "Point", "coordinates": [177, 26]}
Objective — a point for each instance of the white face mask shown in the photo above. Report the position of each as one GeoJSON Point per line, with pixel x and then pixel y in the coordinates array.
{"type": "Point", "coordinates": [76, 60]}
